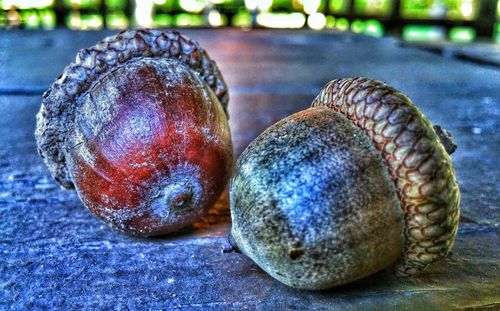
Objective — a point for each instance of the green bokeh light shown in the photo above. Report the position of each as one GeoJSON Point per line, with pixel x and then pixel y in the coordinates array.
{"type": "Point", "coordinates": [357, 26]}
{"type": "Point", "coordinates": [163, 20]}
{"type": "Point", "coordinates": [189, 20]}
{"type": "Point", "coordinates": [373, 7]}
{"type": "Point", "coordinates": [373, 28]}
{"type": "Point", "coordinates": [242, 19]}
{"type": "Point", "coordinates": [342, 24]}
{"type": "Point", "coordinates": [48, 19]}
{"type": "Point", "coordinates": [330, 22]}
{"type": "Point", "coordinates": [115, 4]}
{"type": "Point", "coordinates": [117, 20]}
{"type": "Point", "coordinates": [30, 19]}
{"type": "Point", "coordinates": [339, 6]}
{"type": "Point", "coordinates": [462, 34]}
{"type": "Point", "coordinates": [423, 33]}
{"type": "Point", "coordinates": [82, 4]}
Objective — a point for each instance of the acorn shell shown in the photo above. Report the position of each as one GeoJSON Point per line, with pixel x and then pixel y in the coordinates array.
{"type": "Point", "coordinates": [57, 110]}
{"type": "Point", "coordinates": [138, 125]}
{"type": "Point", "coordinates": [416, 160]}
{"type": "Point", "coordinates": [345, 188]}
{"type": "Point", "coordinates": [300, 206]}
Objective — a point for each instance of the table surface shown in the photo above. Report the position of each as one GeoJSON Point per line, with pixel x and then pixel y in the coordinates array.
{"type": "Point", "coordinates": [55, 253]}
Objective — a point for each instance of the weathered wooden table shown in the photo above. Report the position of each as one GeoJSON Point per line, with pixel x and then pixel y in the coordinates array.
{"type": "Point", "coordinates": [55, 254]}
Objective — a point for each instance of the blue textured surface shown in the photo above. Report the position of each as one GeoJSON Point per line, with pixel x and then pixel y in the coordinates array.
{"type": "Point", "coordinates": [55, 254]}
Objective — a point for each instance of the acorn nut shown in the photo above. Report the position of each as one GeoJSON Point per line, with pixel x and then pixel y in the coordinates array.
{"type": "Point", "coordinates": [354, 184]}
{"type": "Point", "coordinates": [137, 124]}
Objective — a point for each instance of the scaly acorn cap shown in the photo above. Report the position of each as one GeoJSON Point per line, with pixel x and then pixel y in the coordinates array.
{"type": "Point", "coordinates": [416, 159]}
{"type": "Point", "coordinates": [56, 114]}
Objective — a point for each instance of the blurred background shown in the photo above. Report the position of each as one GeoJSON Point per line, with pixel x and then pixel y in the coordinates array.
{"type": "Point", "coordinates": [461, 21]}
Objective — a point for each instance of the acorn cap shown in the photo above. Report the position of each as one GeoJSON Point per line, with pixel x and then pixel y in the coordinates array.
{"type": "Point", "coordinates": [56, 114]}
{"type": "Point", "coordinates": [416, 160]}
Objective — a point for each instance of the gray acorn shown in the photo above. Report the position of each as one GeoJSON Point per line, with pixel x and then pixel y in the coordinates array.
{"type": "Point", "coordinates": [358, 182]}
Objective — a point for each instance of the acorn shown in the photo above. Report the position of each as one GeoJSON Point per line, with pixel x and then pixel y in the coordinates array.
{"type": "Point", "coordinates": [138, 125]}
{"type": "Point", "coordinates": [357, 183]}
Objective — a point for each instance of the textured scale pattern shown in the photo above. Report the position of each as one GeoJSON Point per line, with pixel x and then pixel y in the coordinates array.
{"type": "Point", "coordinates": [417, 161]}
{"type": "Point", "coordinates": [94, 62]}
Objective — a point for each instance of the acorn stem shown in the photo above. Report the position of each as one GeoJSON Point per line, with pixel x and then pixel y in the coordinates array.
{"type": "Point", "coordinates": [230, 246]}
{"type": "Point", "coordinates": [446, 139]}
{"type": "Point", "coordinates": [181, 199]}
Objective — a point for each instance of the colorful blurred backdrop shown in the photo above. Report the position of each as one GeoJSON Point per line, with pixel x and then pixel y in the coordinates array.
{"type": "Point", "coordinates": [414, 20]}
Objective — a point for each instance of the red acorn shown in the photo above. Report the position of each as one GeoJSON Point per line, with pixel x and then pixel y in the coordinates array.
{"type": "Point", "coordinates": [138, 126]}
